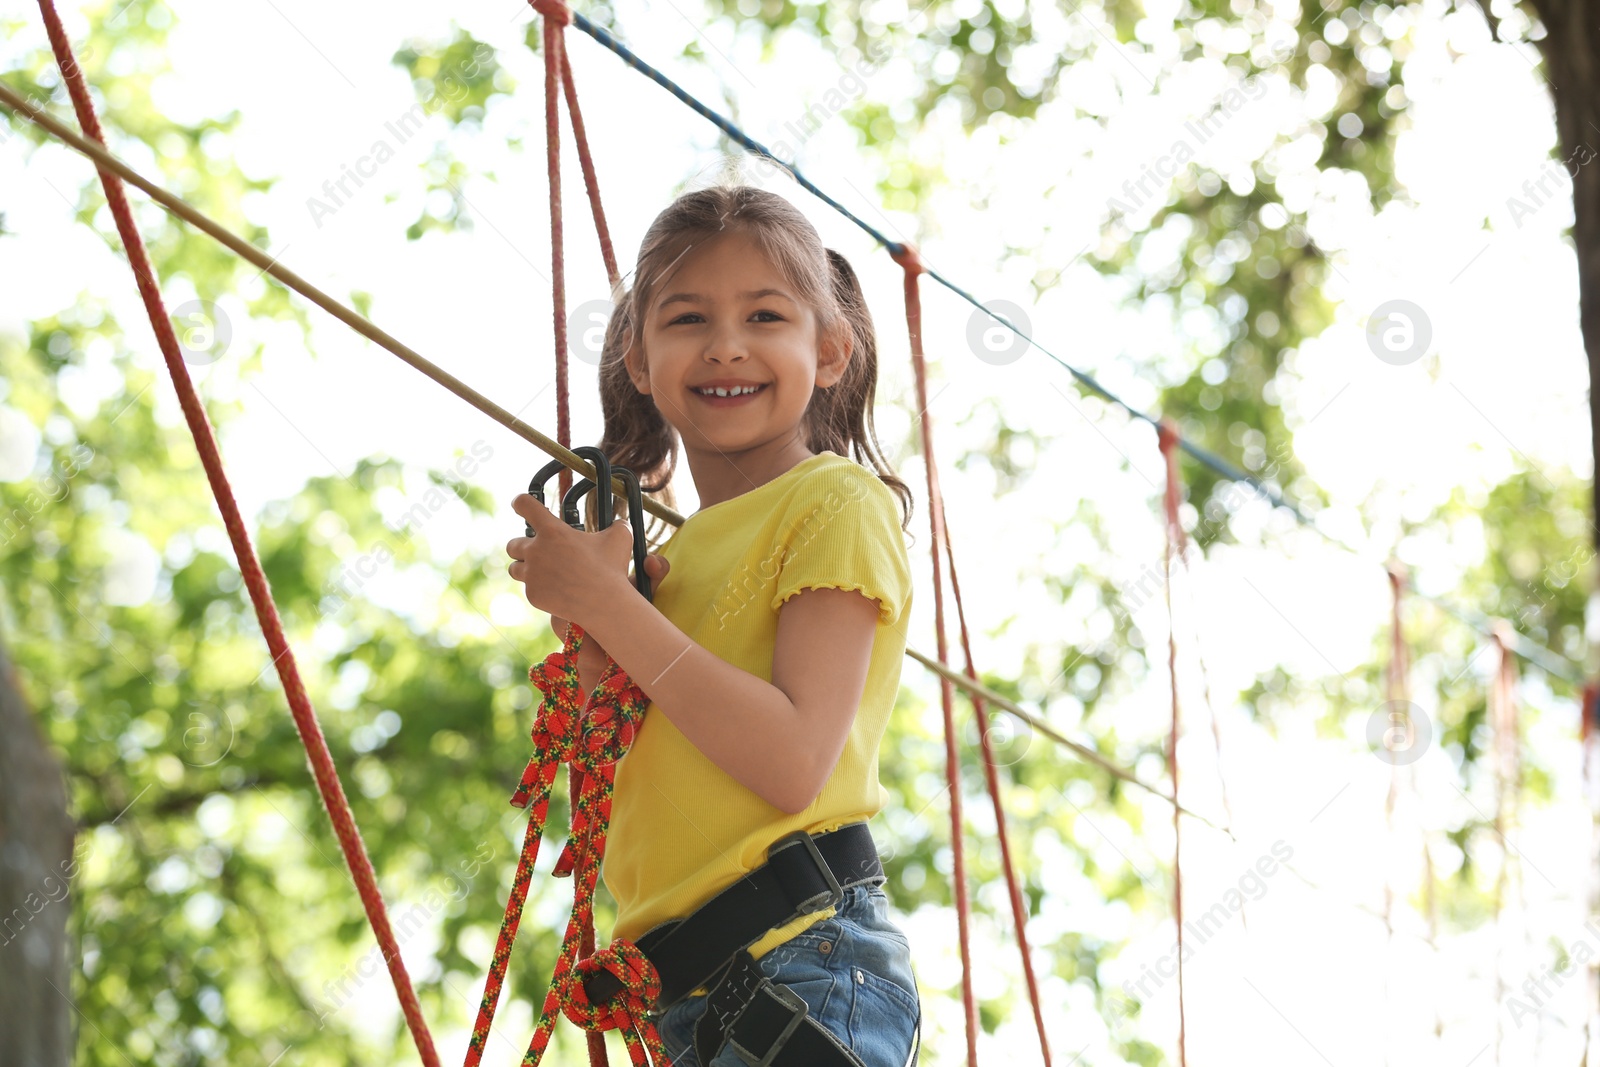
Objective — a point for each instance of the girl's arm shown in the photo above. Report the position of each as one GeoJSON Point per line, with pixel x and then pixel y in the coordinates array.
{"type": "Point", "coordinates": [591, 654]}
{"type": "Point", "coordinates": [781, 739]}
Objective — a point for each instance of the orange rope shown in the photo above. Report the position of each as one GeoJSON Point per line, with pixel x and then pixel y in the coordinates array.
{"type": "Point", "coordinates": [589, 732]}
{"type": "Point", "coordinates": [1399, 688]}
{"type": "Point", "coordinates": [1395, 675]}
{"type": "Point", "coordinates": [1507, 759]}
{"type": "Point", "coordinates": [1019, 909]}
{"type": "Point", "coordinates": [912, 264]}
{"type": "Point", "coordinates": [318, 756]}
{"type": "Point", "coordinates": [556, 18]}
{"type": "Point", "coordinates": [586, 161]}
{"type": "Point", "coordinates": [1177, 543]}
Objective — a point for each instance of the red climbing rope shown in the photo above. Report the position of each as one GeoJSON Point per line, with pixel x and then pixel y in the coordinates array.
{"type": "Point", "coordinates": [586, 161]}
{"type": "Point", "coordinates": [1177, 543]}
{"type": "Point", "coordinates": [1395, 692]}
{"type": "Point", "coordinates": [615, 711]}
{"type": "Point", "coordinates": [1505, 752]}
{"type": "Point", "coordinates": [1506, 729]}
{"type": "Point", "coordinates": [1019, 908]}
{"type": "Point", "coordinates": [555, 730]}
{"type": "Point", "coordinates": [556, 18]}
{"type": "Point", "coordinates": [255, 580]}
{"type": "Point", "coordinates": [589, 733]}
{"type": "Point", "coordinates": [1586, 728]}
{"type": "Point", "coordinates": [911, 263]}
{"type": "Point", "coordinates": [1399, 659]}
{"type": "Point", "coordinates": [1398, 688]}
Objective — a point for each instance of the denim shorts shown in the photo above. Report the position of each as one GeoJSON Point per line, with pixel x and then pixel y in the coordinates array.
{"type": "Point", "coordinates": [853, 970]}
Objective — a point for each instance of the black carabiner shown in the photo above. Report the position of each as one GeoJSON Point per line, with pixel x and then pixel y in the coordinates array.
{"type": "Point", "coordinates": [630, 481]}
{"type": "Point", "coordinates": [602, 467]}
{"type": "Point", "coordinates": [606, 504]}
{"type": "Point", "coordinates": [536, 487]}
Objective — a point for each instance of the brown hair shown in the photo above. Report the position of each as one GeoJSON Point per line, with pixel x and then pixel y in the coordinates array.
{"type": "Point", "coordinates": [839, 418]}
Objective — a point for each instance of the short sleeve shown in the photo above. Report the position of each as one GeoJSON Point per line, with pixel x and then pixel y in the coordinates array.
{"type": "Point", "coordinates": [841, 530]}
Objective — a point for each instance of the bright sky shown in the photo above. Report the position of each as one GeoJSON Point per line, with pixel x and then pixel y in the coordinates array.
{"type": "Point", "coordinates": [1502, 384]}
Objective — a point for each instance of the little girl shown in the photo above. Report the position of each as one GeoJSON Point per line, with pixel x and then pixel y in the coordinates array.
{"type": "Point", "coordinates": [739, 855]}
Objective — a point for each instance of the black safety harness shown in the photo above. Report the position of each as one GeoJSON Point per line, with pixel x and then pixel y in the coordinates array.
{"type": "Point", "coordinates": [765, 1022]}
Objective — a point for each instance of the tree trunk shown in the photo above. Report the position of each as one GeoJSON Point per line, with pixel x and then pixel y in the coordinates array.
{"type": "Point", "coordinates": [36, 865]}
{"type": "Point", "coordinates": [1571, 50]}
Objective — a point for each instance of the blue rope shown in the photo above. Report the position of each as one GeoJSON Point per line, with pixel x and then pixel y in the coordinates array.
{"type": "Point", "coordinates": [1559, 666]}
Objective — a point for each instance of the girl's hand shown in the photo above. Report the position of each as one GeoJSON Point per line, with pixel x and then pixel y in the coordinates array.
{"type": "Point", "coordinates": [656, 567]}
{"type": "Point", "coordinates": [568, 572]}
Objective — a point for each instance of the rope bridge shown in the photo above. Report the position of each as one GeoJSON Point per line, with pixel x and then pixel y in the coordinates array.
{"type": "Point", "coordinates": [589, 776]}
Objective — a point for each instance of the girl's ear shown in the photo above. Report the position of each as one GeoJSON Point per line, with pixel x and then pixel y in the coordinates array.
{"type": "Point", "coordinates": [633, 360]}
{"type": "Point", "coordinates": [834, 353]}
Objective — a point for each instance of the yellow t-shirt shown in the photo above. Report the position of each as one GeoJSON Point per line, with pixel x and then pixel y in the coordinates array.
{"type": "Point", "coordinates": [682, 829]}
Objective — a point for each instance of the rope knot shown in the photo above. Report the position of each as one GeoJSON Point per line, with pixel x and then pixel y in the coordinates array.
{"type": "Point", "coordinates": [553, 9]}
{"type": "Point", "coordinates": [610, 722]}
{"type": "Point", "coordinates": [611, 719]}
{"type": "Point", "coordinates": [555, 727]}
{"type": "Point", "coordinates": [907, 257]}
{"type": "Point", "coordinates": [624, 1010]}
{"type": "Point", "coordinates": [556, 733]}
{"type": "Point", "coordinates": [556, 730]}
{"type": "Point", "coordinates": [605, 736]}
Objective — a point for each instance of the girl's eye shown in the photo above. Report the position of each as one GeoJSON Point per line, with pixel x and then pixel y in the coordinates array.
{"type": "Point", "coordinates": [695, 315]}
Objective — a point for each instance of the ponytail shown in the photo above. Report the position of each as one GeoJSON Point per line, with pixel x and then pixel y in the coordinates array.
{"type": "Point", "coordinates": [840, 417]}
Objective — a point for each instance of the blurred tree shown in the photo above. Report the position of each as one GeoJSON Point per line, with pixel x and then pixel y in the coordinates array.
{"type": "Point", "coordinates": [213, 921]}
{"type": "Point", "coordinates": [1568, 36]}
{"type": "Point", "coordinates": [36, 867]}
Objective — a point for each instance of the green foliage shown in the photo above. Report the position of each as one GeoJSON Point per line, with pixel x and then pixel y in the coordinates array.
{"type": "Point", "coordinates": [456, 80]}
{"type": "Point", "coordinates": [213, 911]}
{"type": "Point", "coordinates": [1539, 544]}
{"type": "Point", "coordinates": [214, 918]}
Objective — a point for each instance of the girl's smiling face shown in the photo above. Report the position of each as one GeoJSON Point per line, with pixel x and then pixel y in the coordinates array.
{"type": "Point", "coordinates": [726, 317]}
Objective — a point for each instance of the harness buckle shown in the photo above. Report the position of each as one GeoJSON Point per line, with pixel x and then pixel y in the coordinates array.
{"type": "Point", "coordinates": [828, 898]}
{"type": "Point", "coordinates": [789, 1000]}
